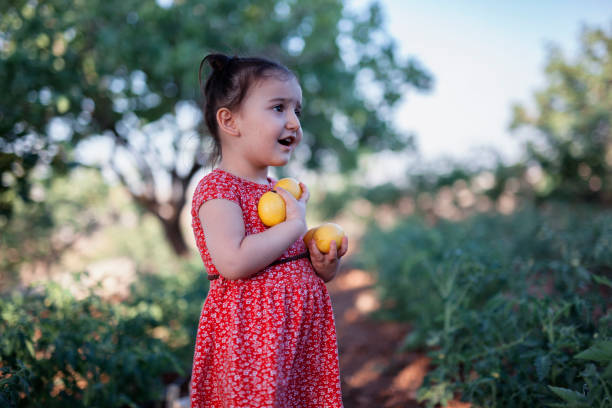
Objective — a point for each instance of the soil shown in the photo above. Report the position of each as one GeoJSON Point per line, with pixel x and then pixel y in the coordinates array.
{"type": "Point", "coordinates": [374, 371]}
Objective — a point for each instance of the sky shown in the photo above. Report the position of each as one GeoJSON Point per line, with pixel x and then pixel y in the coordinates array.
{"type": "Point", "coordinates": [484, 57]}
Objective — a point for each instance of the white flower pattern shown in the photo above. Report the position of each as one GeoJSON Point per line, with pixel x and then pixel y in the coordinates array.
{"type": "Point", "coordinates": [269, 340]}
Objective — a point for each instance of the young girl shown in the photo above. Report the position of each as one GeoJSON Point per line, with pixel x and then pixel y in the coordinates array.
{"type": "Point", "coordinates": [266, 336]}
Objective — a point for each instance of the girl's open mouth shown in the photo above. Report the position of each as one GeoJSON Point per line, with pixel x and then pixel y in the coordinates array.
{"type": "Point", "coordinates": [287, 141]}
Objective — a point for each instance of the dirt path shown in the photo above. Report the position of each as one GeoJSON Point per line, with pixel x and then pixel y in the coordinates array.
{"type": "Point", "coordinates": [374, 373]}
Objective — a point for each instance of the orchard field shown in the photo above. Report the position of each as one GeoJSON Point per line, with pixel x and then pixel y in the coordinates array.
{"type": "Point", "coordinates": [493, 279]}
{"type": "Point", "coordinates": [514, 310]}
{"type": "Point", "coordinates": [511, 309]}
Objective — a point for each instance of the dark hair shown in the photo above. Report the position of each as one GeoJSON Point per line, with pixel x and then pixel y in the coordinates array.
{"type": "Point", "coordinates": [227, 85]}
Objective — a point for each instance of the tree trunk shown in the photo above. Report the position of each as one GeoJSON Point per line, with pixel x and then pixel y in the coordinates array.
{"type": "Point", "coordinates": [174, 234]}
{"type": "Point", "coordinates": [168, 213]}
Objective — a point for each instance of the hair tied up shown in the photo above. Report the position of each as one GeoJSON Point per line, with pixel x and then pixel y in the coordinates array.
{"type": "Point", "coordinates": [218, 62]}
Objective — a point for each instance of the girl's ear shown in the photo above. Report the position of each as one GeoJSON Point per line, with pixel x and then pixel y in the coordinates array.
{"type": "Point", "coordinates": [227, 122]}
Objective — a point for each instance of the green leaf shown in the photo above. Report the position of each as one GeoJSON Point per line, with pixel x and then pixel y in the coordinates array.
{"type": "Point", "coordinates": [542, 367]}
{"type": "Point", "coordinates": [4, 381]}
{"type": "Point", "coordinates": [608, 372]}
{"type": "Point", "coordinates": [602, 280]}
{"type": "Point", "coordinates": [437, 394]}
{"type": "Point", "coordinates": [567, 395]}
{"type": "Point", "coordinates": [30, 348]}
{"type": "Point", "coordinates": [601, 352]}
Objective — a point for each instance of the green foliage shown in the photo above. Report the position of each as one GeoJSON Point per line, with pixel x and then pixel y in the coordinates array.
{"type": "Point", "coordinates": [109, 68]}
{"type": "Point", "coordinates": [507, 305]}
{"type": "Point", "coordinates": [59, 351]}
{"type": "Point", "coordinates": [177, 296]}
{"type": "Point", "coordinates": [600, 352]}
{"type": "Point", "coordinates": [334, 202]}
{"type": "Point", "coordinates": [42, 230]}
{"type": "Point", "coordinates": [572, 121]}
{"type": "Point", "coordinates": [505, 179]}
{"type": "Point", "coordinates": [597, 388]}
{"type": "Point", "coordinates": [149, 335]}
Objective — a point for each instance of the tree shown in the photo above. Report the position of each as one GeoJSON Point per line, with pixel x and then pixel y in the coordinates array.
{"type": "Point", "coordinates": [572, 121]}
{"type": "Point", "coordinates": [125, 70]}
{"type": "Point", "coordinates": [59, 216]}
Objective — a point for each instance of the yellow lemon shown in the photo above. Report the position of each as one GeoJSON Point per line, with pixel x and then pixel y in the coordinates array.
{"type": "Point", "coordinates": [271, 208]}
{"type": "Point", "coordinates": [325, 234]}
{"type": "Point", "coordinates": [291, 185]}
{"type": "Point", "coordinates": [308, 237]}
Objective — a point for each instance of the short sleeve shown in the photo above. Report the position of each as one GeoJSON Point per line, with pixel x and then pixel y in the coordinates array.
{"type": "Point", "coordinates": [214, 186]}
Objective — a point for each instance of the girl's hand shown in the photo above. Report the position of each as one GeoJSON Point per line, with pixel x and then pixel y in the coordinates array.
{"type": "Point", "coordinates": [295, 209]}
{"type": "Point", "coordinates": [327, 265]}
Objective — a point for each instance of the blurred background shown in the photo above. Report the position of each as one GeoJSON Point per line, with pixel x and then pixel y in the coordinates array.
{"type": "Point", "coordinates": [465, 147]}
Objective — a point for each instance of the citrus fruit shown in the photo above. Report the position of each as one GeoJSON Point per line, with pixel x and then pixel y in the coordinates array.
{"type": "Point", "coordinates": [271, 208]}
{"type": "Point", "coordinates": [325, 234]}
{"type": "Point", "coordinates": [291, 185]}
{"type": "Point", "coordinates": [308, 237]}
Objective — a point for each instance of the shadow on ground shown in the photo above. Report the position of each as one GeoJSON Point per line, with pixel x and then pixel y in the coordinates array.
{"type": "Point", "coordinates": [374, 373]}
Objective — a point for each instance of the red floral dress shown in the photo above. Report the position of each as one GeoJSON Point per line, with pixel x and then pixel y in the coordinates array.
{"type": "Point", "coordinates": [268, 340]}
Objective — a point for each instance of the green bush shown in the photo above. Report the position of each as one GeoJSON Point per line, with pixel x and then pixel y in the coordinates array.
{"type": "Point", "coordinates": [504, 304]}
{"type": "Point", "coordinates": [178, 298]}
{"type": "Point", "coordinates": [58, 351]}
{"type": "Point", "coordinates": [42, 231]}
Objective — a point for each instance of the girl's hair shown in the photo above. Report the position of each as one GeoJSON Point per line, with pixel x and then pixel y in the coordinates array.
{"type": "Point", "coordinates": [227, 85]}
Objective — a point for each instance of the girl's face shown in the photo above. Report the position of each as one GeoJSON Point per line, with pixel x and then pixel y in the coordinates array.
{"type": "Point", "coordinates": [268, 120]}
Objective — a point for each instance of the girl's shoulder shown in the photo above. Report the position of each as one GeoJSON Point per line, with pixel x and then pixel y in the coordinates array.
{"type": "Point", "coordinates": [216, 179]}
{"type": "Point", "coordinates": [216, 185]}
{"type": "Point", "coordinates": [222, 184]}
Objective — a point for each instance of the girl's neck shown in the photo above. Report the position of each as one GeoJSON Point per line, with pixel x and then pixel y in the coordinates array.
{"type": "Point", "coordinates": [245, 171]}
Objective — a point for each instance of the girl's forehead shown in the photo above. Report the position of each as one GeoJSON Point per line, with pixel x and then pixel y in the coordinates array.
{"type": "Point", "coordinates": [270, 88]}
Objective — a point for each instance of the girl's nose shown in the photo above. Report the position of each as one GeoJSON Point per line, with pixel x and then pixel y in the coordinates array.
{"type": "Point", "coordinates": [293, 122]}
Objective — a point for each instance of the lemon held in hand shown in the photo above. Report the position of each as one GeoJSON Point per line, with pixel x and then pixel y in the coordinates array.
{"type": "Point", "coordinates": [271, 208]}
{"type": "Point", "coordinates": [325, 234]}
{"type": "Point", "coordinates": [291, 185]}
{"type": "Point", "coordinates": [308, 236]}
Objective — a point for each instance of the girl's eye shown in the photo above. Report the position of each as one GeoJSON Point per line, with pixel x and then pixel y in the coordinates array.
{"type": "Point", "coordinates": [278, 108]}
{"type": "Point", "coordinates": [298, 113]}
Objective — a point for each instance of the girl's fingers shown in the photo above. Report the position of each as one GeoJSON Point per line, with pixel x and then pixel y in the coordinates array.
{"type": "Point", "coordinates": [343, 247]}
{"type": "Point", "coordinates": [314, 250]}
{"type": "Point", "coordinates": [333, 251]}
{"type": "Point", "coordinates": [285, 194]}
{"type": "Point", "coordinates": [305, 193]}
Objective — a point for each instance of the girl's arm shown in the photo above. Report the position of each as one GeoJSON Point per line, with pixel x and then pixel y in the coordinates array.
{"type": "Point", "coordinates": [237, 255]}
